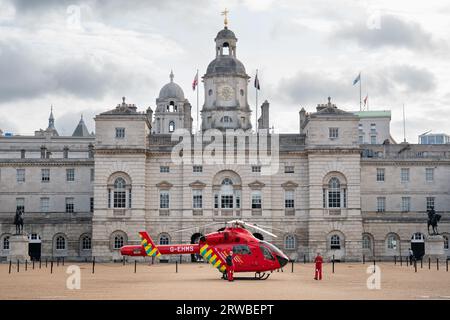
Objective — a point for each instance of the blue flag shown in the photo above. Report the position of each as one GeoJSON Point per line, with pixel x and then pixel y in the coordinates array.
{"type": "Point", "coordinates": [358, 78]}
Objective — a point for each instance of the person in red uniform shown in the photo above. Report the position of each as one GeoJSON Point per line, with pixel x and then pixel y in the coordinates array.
{"type": "Point", "coordinates": [318, 264]}
{"type": "Point", "coordinates": [230, 266]}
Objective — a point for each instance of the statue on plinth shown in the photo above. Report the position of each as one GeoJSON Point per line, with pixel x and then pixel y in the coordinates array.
{"type": "Point", "coordinates": [433, 219]}
{"type": "Point", "coordinates": [18, 221]}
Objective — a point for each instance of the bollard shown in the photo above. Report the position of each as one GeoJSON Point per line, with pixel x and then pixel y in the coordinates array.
{"type": "Point", "coordinates": [407, 261]}
{"type": "Point", "coordinates": [437, 264]}
{"type": "Point", "coordinates": [415, 265]}
{"type": "Point", "coordinates": [364, 259]}
{"type": "Point", "coordinates": [46, 260]}
{"type": "Point", "coordinates": [446, 265]}
{"type": "Point", "coordinates": [51, 266]}
{"type": "Point", "coordinates": [57, 262]}
{"type": "Point", "coordinates": [135, 265]}
{"type": "Point", "coordinates": [18, 267]}
{"type": "Point", "coordinates": [395, 260]}
{"type": "Point", "coordinates": [374, 264]}
{"type": "Point", "coordinates": [93, 265]}
{"type": "Point", "coordinates": [123, 260]}
{"type": "Point", "coordinates": [40, 263]}
{"type": "Point", "coordinates": [401, 260]}
{"type": "Point", "coordinates": [33, 264]}
{"type": "Point", "coordinates": [333, 263]}
{"type": "Point", "coordinates": [292, 266]}
{"type": "Point", "coordinates": [429, 263]}
{"type": "Point", "coordinates": [176, 266]}
{"type": "Point", "coordinates": [63, 260]}
{"type": "Point", "coordinates": [421, 263]}
{"type": "Point", "coordinates": [26, 265]}
{"type": "Point", "coordinates": [10, 263]}
{"type": "Point", "coordinates": [304, 258]}
{"type": "Point", "coordinates": [181, 258]}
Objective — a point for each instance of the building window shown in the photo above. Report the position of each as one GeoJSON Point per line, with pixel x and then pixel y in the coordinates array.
{"type": "Point", "coordinates": [91, 205]}
{"type": "Point", "coordinates": [69, 205]}
{"type": "Point", "coordinates": [366, 242]}
{"type": "Point", "coordinates": [60, 243]}
{"type": "Point", "coordinates": [22, 154]}
{"type": "Point", "coordinates": [392, 242]}
{"type": "Point", "coordinates": [381, 204]}
{"type": "Point", "coordinates": [164, 169]}
{"type": "Point", "coordinates": [118, 242]}
{"type": "Point", "coordinates": [373, 128]}
{"type": "Point", "coordinates": [256, 169]}
{"type": "Point", "coordinates": [289, 242]}
{"type": "Point", "coordinates": [404, 174]}
{"type": "Point", "coordinates": [119, 195]}
{"type": "Point", "coordinates": [406, 204]}
{"type": "Point", "coordinates": [45, 204]}
{"type": "Point", "coordinates": [335, 242]}
{"type": "Point", "coordinates": [92, 175]}
{"type": "Point", "coordinates": [429, 174]}
{"type": "Point", "coordinates": [256, 200]}
{"type": "Point", "coordinates": [445, 242]}
{"type": "Point", "coordinates": [6, 243]}
{"type": "Point", "coordinates": [373, 139]}
{"type": "Point", "coordinates": [66, 152]}
{"type": "Point", "coordinates": [164, 199]}
{"type": "Point", "coordinates": [361, 139]}
{"type": "Point", "coordinates": [171, 126]}
{"type": "Point", "coordinates": [197, 169]}
{"type": "Point", "coordinates": [197, 199]}
{"type": "Point", "coordinates": [20, 204]}
{"type": "Point", "coordinates": [216, 201]}
{"type": "Point", "coordinates": [164, 239]}
{"type": "Point", "coordinates": [227, 201]}
{"type": "Point", "coordinates": [288, 169]}
{"type": "Point", "coordinates": [20, 175]}
{"type": "Point", "coordinates": [70, 174]}
{"type": "Point", "coordinates": [334, 193]}
{"type": "Point", "coordinates": [226, 119]}
{"type": "Point", "coordinates": [289, 200]}
{"type": "Point", "coordinates": [430, 203]}
{"type": "Point", "coordinates": [380, 174]}
{"type": "Point", "coordinates": [333, 133]}
{"type": "Point", "coordinates": [45, 175]}
{"type": "Point", "coordinates": [86, 243]}
{"type": "Point", "coordinates": [120, 133]}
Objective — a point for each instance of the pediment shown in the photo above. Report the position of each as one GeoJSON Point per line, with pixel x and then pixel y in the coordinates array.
{"type": "Point", "coordinates": [256, 185]}
{"type": "Point", "coordinates": [289, 185]}
{"type": "Point", "coordinates": [197, 184]}
{"type": "Point", "coordinates": [164, 185]}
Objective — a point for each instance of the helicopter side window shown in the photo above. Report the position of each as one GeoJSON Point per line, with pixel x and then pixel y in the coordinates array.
{"type": "Point", "coordinates": [241, 249]}
{"type": "Point", "coordinates": [266, 253]}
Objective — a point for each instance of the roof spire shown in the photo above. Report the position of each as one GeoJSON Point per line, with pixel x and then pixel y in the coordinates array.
{"type": "Point", "coordinates": [171, 76]}
{"type": "Point", "coordinates": [51, 119]}
{"type": "Point", "coordinates": [225, 19]}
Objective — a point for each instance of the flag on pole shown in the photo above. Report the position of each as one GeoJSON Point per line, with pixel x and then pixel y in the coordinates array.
{"type": "Point", "coordinates": [365, 100]}
{"type": "Point", "coordinates": [195, 82]}
{"type": "Point", "coordinates": [358, 78]}
{"type": "Point", "coordinates": [257, 82]}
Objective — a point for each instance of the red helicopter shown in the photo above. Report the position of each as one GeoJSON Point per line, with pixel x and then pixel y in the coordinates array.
{"type": "Point", "coordinates": [249, 253]}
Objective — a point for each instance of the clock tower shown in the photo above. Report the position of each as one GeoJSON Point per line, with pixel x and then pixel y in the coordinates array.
{"type": "Point", "coordinates": [225, 83]}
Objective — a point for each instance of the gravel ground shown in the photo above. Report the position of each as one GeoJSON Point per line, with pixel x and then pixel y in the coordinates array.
{"type": "Point", "coordinates": [201, 281]}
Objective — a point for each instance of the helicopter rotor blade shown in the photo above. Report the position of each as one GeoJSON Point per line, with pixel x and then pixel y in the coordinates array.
{"type": "Point", "coordinates": [197, 227]}
{"type": "Point", "coordinates": [252, 226]}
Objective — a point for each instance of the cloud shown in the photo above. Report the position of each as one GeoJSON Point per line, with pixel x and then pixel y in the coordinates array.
{"type": "Point", "coordinates": [389, 31]}
{"type": "Point", "coordinates": [30, 75]}
{"type": "Point", "coordinates": [389, 81]}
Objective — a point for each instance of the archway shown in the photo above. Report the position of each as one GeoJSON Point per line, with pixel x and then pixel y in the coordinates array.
{"type": "Point", "coordinates": [195, 238]}
{"type": "Point", "coordinates": [418, 245]}
{"type": "Point", "coordinates": [34, 246]}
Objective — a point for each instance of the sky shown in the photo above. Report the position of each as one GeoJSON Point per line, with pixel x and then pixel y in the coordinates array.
{"type": "Point", "coordinates": [82, 57]}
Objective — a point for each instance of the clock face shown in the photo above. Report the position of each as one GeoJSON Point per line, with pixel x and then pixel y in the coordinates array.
{"type": "Point", "coordinates": [226, 93]}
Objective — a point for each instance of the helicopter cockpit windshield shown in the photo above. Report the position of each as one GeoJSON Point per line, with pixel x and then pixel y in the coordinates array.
{"type": "Point", "coordinates": [273, 248]}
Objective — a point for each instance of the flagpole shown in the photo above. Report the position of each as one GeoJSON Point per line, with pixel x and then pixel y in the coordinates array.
{"type": "Point", "coordinates": [197, 103]}
{"type": "Point", "coordinates": [256, 90]}
{"type": "Point", "coordinates": [360, 84]}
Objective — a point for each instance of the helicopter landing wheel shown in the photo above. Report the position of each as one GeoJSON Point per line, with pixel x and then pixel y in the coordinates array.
{"type": "Point", "coordinates": [224, 276]}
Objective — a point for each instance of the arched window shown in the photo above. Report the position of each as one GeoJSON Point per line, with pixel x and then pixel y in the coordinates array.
{"type": "Point", "coordinates": [445, 242]}
{"type": "Point", "coordinates": [164, 239]}
{"type": "Point", "coordinates": [119, 194]}
{"type": "Point", "coordinates": [335, 242]}
{"type": "Point", "coordinates": [171, 126]}
{"type": "Point", "coordinates": [366, 242]}
{"type": "Point", "coordinates": [118, 241]}
{"type": "Point", "coordinates": [392, 242]}
{"type": "Point", "coordinates": [227, 194]}
{"type": "Point", "coordinates": [60, 243]}
{"type": "Point", "coordinates": [6, 243]}
{"type": "Point", "coordinates": [289, 242]}
{"type": "Point", "coordinates": [86, 243]}
{"type": "Point", "coordinates": [334, 194]}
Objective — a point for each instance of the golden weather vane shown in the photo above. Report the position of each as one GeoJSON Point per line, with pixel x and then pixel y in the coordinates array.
{"type": "Point", "coordinates": [225, 13]}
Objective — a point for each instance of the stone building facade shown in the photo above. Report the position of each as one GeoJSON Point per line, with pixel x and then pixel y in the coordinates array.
{"type": "Point", "coordinates": [87, 195]}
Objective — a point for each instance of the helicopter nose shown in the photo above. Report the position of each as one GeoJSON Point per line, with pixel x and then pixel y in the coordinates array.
{"type": "Point", "coordinates": [282, 261]}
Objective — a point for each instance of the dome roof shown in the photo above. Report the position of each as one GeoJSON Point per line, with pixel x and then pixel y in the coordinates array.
{"type": "Point", "coordinates": [171, 90]}
{"type": "Point", "coordinates": [226, 64]}
{"type": "Point", "coordinates": [226, 34]}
